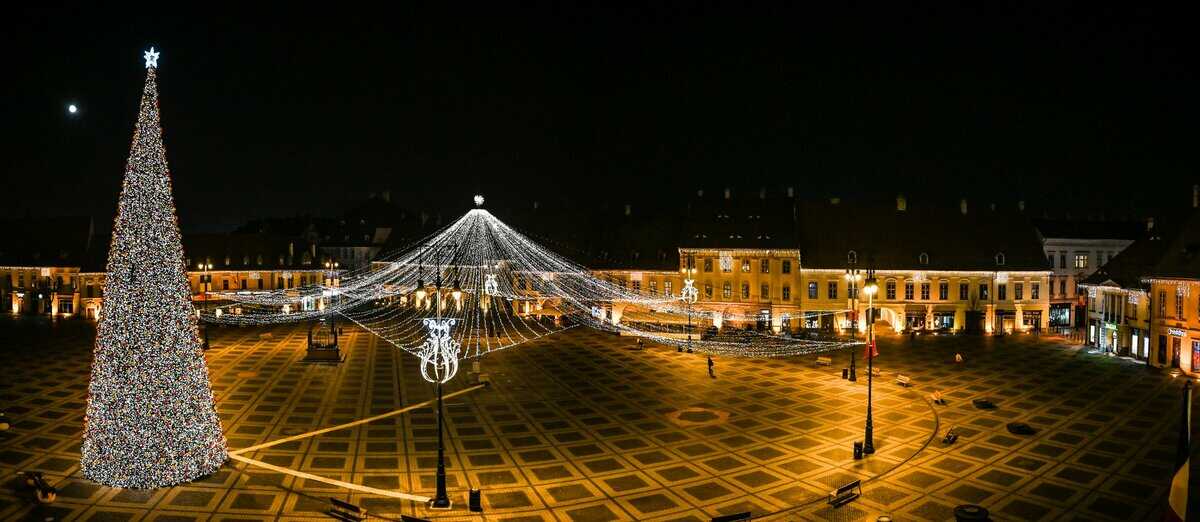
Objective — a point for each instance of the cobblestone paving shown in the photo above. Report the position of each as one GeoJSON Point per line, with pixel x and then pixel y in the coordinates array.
{"type": "Point", "coordinates": [581, 426]}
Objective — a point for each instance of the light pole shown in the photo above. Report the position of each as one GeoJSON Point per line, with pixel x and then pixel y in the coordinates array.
{"type": "Point", "coordinates": [205, 281]}
{"type": "Point", "coordinates": [439, 354]}
{"type": "Point", "coordinates": [331, 281]}
{"type": "Point", "coordinates": [688, 294]}
{"type": "Point", "coordinates": [870, 288]}
{"type": "Point", "coordinates": [852, 277]}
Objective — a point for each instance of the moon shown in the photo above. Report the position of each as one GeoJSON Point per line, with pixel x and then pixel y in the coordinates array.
{"type": "Point", "coordinates": [72, 108]}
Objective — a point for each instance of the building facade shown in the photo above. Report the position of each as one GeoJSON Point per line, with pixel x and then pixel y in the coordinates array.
{"type": "Point", "coordinates": [1075, 250]}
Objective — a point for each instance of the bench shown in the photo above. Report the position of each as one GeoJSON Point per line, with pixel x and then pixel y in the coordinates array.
{"type": "Point", "coordinates": [824, 361]}
{"type": "Point", "coordinates": [1020, 428]}
{"type": "Point", "coordinates": [950, 437]}
{"type": "Point", "coordinates": [46, 493]}
{"type": "Point", "coordinates": [845, 494]}
{"type": "Point", "coordinates": [345, 511]}
{"type": "Point", "coordinates": [984, 404]}
{"type": "Point", "coordinates": [904, 380]}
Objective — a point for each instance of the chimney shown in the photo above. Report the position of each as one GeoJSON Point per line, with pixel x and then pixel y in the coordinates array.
{"type": "Point", "coordinates": [628, 209]}
{"type": "Point", "coordinates": [962, 206]}
{"type": "Point", "coordinates": [727, 194]}
{"type": "Point", "coordinates": [901, 203]}
{"type": "Point", "coordinates": [791, 192]}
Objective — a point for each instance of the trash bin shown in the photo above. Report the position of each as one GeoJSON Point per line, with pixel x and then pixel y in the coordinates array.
{"type": "Point", "coordinates": [970, 512]}
{"type": "Point", "coordinates": [858, 450]}
{"type": "Point", "coordinates": [845, 373]}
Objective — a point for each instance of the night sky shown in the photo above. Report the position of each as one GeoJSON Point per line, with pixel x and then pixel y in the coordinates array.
{"type": "Point", "coordinates": [1069, 108]}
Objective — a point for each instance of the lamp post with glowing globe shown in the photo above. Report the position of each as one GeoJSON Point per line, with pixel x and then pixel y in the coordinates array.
{"type": "Point", "coordinates": [870, 288]}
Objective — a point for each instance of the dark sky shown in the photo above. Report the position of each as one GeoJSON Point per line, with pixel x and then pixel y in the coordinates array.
{"type": "Point", "coordinates": [270, 115]}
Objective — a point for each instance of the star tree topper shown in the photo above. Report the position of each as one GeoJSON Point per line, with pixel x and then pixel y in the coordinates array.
{"type": "Point", "coordinates": [151, 57]}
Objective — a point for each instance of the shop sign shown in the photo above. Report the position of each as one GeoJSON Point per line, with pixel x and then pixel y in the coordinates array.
{"type": "Point", "coordinates": [1177, 332]}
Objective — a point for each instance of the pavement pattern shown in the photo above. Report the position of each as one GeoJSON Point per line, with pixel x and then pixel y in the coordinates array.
{"type": "Point", "coordinates": [583, 426]}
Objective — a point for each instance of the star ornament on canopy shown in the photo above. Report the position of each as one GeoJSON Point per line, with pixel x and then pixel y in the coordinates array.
{"type": "Point", "coordinates": [151, 57]}
{"type": "Point", "coordinates": [439, 354]}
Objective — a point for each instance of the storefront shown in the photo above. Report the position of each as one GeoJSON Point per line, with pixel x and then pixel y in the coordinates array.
{"type": "Point", "coordinates": [943, 320]}
{"type": "Point", "coordinates": [1060, 315]}
{"type": "Point", "coordinates": [1032, 319]}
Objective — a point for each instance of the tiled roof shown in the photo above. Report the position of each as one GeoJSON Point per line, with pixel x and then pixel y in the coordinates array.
{"type": "Point", "coordinates": [1074, 229]}
{"type": "Point", "coordinates": [1169, 251]}
{"type": "Point", "coordinates": [58, 241]}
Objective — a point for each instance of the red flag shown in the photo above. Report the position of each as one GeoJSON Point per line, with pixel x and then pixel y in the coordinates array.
{"type": "Point", "coordinates": [870, 351]}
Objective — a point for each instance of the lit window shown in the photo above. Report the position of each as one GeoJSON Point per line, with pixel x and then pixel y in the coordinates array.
{"type": "Point", "coordinates": [667, 288]}
{"type": "Point", "coordinates": [1179, 303]}
{"type": "Point", "coordinates": [637, 287]}
{"type": "Point", "coordinates": [1081, 260]}
{"type": "Point", "coordinates": [924, 291]}
{"type": "Point", "coordinates": [727, 290]}
{"type": "Point", "coordinates": [766, 266]}
{"type": "Point", "coordinates": [908, 290]}
{"type": "Point", "coordinates": [746, 266]}
{"type": "Point", "coordinates": [708, 264]}
{"type": "Point", "coordinates": [745, 290]}
{"type": "Point", "coordinates": [852, 290]}
{"type": "Point", "coordinates": [944, 290]}
{"type": "Point", "coordinates": [983, 291]}
{"type": "Point", "coordinates": [1018, 291]}
{"type": "Point", "coordinates": [1035, 291]}
{"type": "Point", "coordinates": [653, 287]}
{"type": "Point", "coordinates": [890, 290]}
{"type": "Point", "coordinates": [812, 290]}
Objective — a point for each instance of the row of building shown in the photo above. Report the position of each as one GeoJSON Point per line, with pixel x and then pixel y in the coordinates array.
{"type": "Point", "coordinates": [770, 262]}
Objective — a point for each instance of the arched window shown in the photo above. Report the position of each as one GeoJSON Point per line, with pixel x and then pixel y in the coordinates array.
{"type": "Point", "coordinates": [923, 258]}
{"type": "Point", "coordinates": [1000, 259]}
{"type": "Point", "coordinates": [852, 257]}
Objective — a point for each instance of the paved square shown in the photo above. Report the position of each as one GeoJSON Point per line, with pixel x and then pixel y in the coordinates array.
{"type": "Point", "coordinates": [582, 426]}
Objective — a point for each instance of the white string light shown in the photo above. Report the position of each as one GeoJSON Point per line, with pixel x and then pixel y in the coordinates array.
{"type": "Point", "coordinates": [151, 421]}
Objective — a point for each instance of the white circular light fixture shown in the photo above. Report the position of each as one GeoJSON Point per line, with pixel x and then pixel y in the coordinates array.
{"type": "Point", "coordinates": [72, 108]}
{"type": "Point", "coordinates": [478, 200]}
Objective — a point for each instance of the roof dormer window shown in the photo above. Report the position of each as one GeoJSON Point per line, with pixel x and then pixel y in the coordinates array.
{"type": "Point", "coordinates": [852, 257]}
{"type": "Point", "coordinates": [1000, 259]}
{"type": "Point", "coordinates": [923, 258]}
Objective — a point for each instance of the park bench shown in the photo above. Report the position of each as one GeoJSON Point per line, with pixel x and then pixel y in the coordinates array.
{"type": "Point", "coordinates": [950, 437]}
{"type": "Point", "coordinates": [1020, 428]}
{"type": "Point", "coordinates": [984, 404]}
{"type": "Point", "coordinates": [44, 491]}
{"type": "Point", "coordinates": [824, 361]}
{"type": "Point", "coordinates": [904, 380]}
{"type": "Point", "coordinates": [845, 494]}
{"type": "Point", "coordinates": [345, 511]}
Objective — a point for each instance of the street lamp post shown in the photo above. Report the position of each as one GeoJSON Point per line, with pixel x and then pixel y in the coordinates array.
{"type": "Point", "coordinates": [331, 281]}
{"type": "Point", "coordinates": [870, 288]}
{"type": "Point", "coordinates": [205, 281]}
{"type": "Point", "coordinates": [439, 357]}
{"type": "Point", "coordinates": [852, 277]}
{"type": "Point", "coordinates": [688, 295]}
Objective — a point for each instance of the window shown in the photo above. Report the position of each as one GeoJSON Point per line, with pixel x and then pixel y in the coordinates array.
{"type": "Point", "coordinates": [746, 266]}
{"type": "Point", "coordinates": [708, 264]}
{"type": "Point", "coordinates": [1050, 260]}
{"type": "Point", "coordinates": [832, 290]}
{"type": "Point", "coordinates": [1000, 259]}
{"type": "Point", "coordinates": [765, 292]}
{"type": "Point", "coordinates": [1062, 287]}
{"type": "Point", "coordinates": [787, 293]}
{"type": "Point", "coordinates": [890, 290]}
{"type": "Point", "coordinates": [637, 287]}
{"type": "Point", "coordinates": [852, 257]}
{"type": "Point", "coordinates": [667, 288]}
{"type": "Point", "coordinates": [1062, 259]}
{"type": "Point", "coordinates": [244, 284]}
{"type": "Point", "coordinates": [745, 290]}
{"type": "Point", "coordinates": [924, 291]}
{"type": "Point", "coordinates": [1018, 291]}
{"type": "Point", "coordinates": [653, 287]}
{"type": "Point", "coordinates": [1081, 260]}
{"type": "Point", "coordinates": [851, 289]}
{"type": "Point", "coordinates": [908, 290]}
{"type": "Point", "coordinates": [260, 283]}
{"type": "Point", "coordinates": [225, 284]}
{"type": "Point", "coordinates": [727, 290]}
{"type": "Point", "coordinates": [944, 290]}
{"type": "Point", "coordinates": [1001, 292]}
{"type": "Point", "coordinates": [812, 290]}
{"type": "Point", "coordinates": [766, 266]}
{"type": "Point", "coordinates": [786, 266]}
{"type": "Point", "coordinates": [983, 291]}
{"type": "Point", "coordinates": [708, 290]}
{"type": "Point", "coordinates": [923, 258]}
{"type": "Point", "coordinates": [1035, 291]}
{"type": "Point", "coordinates": [964, 291]}
{"type": "Point", "coordinates": [1179, 302]}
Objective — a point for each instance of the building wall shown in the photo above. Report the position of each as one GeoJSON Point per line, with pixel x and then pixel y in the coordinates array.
{"type": "Point", "coordinates": [1118, 321]}
{"type": "Point", "coordinates": [36, 290]}
{"type": "Point", "coordinates": [1072, 261]}
{"type": "Point", "coordinates": [1175, 321]}
{"type": "Point", "coordinates": [834, 307]}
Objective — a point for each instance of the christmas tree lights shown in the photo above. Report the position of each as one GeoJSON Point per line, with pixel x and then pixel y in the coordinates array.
{"type": "Point", "coordinates": [151, 421]}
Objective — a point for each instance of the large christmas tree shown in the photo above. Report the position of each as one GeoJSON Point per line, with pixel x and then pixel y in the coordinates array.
{"type": "Point", "coordinates": [151, 421]}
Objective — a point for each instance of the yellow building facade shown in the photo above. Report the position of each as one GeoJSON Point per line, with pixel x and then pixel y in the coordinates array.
{"type": "Point", "coordinates": [1175, 323]}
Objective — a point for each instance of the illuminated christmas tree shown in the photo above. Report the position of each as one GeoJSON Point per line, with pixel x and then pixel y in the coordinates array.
{"type": "Point", "coordinates": [151, 421]}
